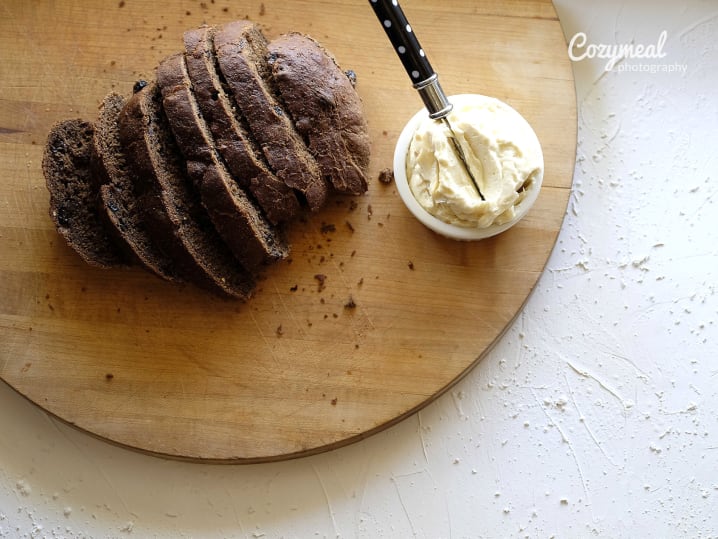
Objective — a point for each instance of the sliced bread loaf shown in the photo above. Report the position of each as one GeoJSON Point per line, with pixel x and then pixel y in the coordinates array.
{"type": "Point", "coordinates": [241, 155]}
{"type": "Point", "coordinates": [241, 51]}
{"type": "Point", "coordinates": [179, 224]}
{"type": "Point", "coordinates": [250, 237]}
{"type": "Point", "coordinates": [74, 193]}
{"type": "Point", "coordinates": [118, 198]}
{"type": "Point", "coordinates": [325, 107]}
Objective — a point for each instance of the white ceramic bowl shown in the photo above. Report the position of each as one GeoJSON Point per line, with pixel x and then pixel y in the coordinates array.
{"type": "Point", "coordinates": [446, 229]}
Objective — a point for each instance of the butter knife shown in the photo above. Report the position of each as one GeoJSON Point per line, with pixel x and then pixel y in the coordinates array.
{"type": "Point", "coordinates": [417, 66]}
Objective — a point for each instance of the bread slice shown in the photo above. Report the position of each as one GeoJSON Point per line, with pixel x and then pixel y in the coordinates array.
{"type": "Point", "coordinates": [250, 237]}
{"type": "Point", "coordinates": [119, 202]}
{"type": "Point", "coordinates": [325, 107]}
{"type": "Point", "coordinates": [241, 52]}
{"type": "Point", "coordinates": [240, 154]}
{"type": "Point", "coordinates": [179, 224]}
{"type": "Point", "coordinates": [74, 194]}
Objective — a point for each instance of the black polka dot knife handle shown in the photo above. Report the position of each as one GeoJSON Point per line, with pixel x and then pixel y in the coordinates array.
{"type": "Point", "coordinates": [412, 56]}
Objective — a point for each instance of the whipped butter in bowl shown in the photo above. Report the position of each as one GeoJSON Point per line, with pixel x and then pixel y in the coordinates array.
{"type": "Point", "coordinates": [502, 152]}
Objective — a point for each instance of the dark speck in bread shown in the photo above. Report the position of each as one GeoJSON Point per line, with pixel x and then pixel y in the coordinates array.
{"type": "Point", "coordinates": [352, 76]}
{"type": "Point", "coordinates": [63, 216]}
{"type": "Point", "coordinates": [138, 86]}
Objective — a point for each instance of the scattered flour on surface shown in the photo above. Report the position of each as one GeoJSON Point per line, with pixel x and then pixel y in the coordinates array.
{"type": "Point", "coordinates": [23, 487]}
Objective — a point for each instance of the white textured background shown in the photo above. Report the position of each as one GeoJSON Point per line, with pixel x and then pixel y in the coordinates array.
{"type": "Point", "coordinates": [595, 415]}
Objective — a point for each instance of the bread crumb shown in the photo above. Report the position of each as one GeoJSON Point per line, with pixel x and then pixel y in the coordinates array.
{"type": "Point", "coordinates": [327, 227]}
{"type": "Point", "coordinates": [334, 401]}
{"type": "Point", "coordinates": [109, 376]}
{"type": "Point", "coordinates": [321, 279]}
{"type": "Point", "coordinates": [262, 10]}
{"type": "Point", "coordinates": [280, 330]}
{"type": "Point", "coordinates": [386, 176]}
{"type": "Point", "coordinates": [350, 304]}
{"type": "Point", "coordinates": [411, 265]}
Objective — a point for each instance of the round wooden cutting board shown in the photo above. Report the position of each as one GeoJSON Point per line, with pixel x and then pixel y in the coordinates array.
{"type": "Point", "coordinates": [373, 316]}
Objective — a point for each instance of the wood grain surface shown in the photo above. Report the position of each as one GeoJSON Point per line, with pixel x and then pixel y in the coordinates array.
{"type": "Point", "coordinates": [373, 316]}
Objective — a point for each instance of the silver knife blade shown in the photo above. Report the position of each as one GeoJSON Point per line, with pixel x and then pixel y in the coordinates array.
{"type": "Point", "coordinates": [462, 157]}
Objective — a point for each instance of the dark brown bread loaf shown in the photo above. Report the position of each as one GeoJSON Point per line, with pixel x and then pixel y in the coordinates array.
{"type": "Point", "coordinates": [120, 203]}
{"type": "Point", "coordinates": [250, 237]}
{"type": "Point", "coordinates": [192, 176]}
{"type": "Point", "coordinates": [179, 224]}
{"type": "Point", "coordinates": [241, 51]}
{"type": "Point", "coordinates": [326, 109]}
{"type": "Point", "coordinates": [241, 155]}
{"type": "Point", "coordinates": [74, 201]}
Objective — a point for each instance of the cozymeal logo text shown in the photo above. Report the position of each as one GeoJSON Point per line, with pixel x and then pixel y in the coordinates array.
{"type": "Point", "coordinates": [580, 49]}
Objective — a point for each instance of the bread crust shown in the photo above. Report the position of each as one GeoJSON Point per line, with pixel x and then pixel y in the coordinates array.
{"type": "Point", "coordinates": [118, 200]}
{"type": "Point", "coordinates": [241, 51]}
{"type": "Point", "coordinates": [180, 226]}
{"type": "Point", "coordinates": [251, 238]}
{"type": "Point", "coordinates": [74, 193]}
{"type": "Point", "coordinates": [243, 158]}
{"type": "Point", "coordinates": [325, 107]}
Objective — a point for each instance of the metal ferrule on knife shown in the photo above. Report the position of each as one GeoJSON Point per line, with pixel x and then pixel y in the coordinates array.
{"type": "Point", "coordinates": [434, 98]}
